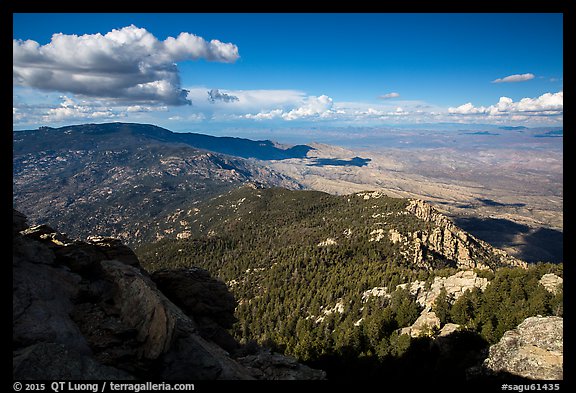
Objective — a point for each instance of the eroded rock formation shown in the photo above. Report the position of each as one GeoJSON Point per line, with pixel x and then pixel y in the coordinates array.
{"type": "Point", "coordinates": [453, 243]}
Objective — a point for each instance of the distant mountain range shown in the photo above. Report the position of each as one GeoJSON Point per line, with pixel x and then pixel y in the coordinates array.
{"type": "Point", "coordinates": [120, 179]}
{"type": "Point", "coordinates": [106, 135]}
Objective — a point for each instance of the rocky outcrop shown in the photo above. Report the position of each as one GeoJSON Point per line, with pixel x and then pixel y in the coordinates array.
{"type": "Point", "coordinates": [18, 222]}
{"type": "Point", "coordinates": [452, 243]}
{"type": "Point", "coordinates": [552, 283]}
{"type": "Point", "coordinates": [114, 249]}
{"type": "Point", "coordinates": [455, 286]}
{"type": "Point", "coordinates": [42, 297]}
{"type": "Point", "coordinates": [448, 329]}
{"type": "Point", "coordinates": [533, 350]}
{"type": "Point", "coordinates": [197, 293]}
{"type": "Point", "coordinates": [427, 324]}
{"type": "Point", "coordinates": [87, 310]}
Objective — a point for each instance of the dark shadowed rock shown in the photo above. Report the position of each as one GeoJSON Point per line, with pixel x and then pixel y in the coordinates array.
{"type": "Point", "coordinates": [81, 258]}
{"type": "Point", "coordinates": [18, 222]}
{"type": "Point", "coordinates": [50, 361]}
{"type": "Point", "coordinates": [30, 251]}
{"type": "Point", "coordinates": [47, 342]}
{"type": "Point", "coordinates": [200, 295]}
{"type": "Point", "coordinates": [142, 307]}
{"type": "Point", "coordinates": [114, 249]}
{"type": "Point", "coordinates": [273, 366]}
{"type": "Point", "coordinates": [41, 298]}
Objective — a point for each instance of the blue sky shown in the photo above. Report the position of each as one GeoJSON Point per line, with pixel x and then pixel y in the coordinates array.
{"type": "Point", "coordinates": [287, 70]}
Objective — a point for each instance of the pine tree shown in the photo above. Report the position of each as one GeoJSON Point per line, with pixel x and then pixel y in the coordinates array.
{"type": "Point", "coordinates": [405, 307]}
{"type": "Point", "coordinates": [442, 306]}
{"type": "Point", "coordinates": [462, 309]}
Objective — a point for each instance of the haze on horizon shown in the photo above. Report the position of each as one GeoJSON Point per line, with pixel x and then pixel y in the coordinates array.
{"type": "Point", "coordinates": [252, 75]}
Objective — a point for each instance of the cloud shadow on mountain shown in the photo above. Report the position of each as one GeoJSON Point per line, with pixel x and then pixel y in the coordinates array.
{"type": "Point", "coordinates": [356, 161]}
{"type": "Point", "coordinates": [491, 202]}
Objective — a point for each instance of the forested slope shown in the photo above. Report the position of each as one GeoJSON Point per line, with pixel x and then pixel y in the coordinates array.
{"type": "Point", "coordinates": [333, 280]}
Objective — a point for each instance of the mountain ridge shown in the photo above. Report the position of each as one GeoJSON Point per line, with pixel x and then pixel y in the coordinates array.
{"type": "Point", "coordinates": [234, 146]}
{"type": "Point", "coordinates": [118, 181]}
{"type": "Point", "coordinates": [420, 233]}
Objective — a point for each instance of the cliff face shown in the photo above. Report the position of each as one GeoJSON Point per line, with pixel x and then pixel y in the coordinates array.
{"type": "Point", "coordinates": [87, 310]}
{"type": "Point", "coordinates": [453, 243]}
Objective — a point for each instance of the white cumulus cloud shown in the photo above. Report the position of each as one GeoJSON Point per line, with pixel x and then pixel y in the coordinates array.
{"type": "Point", "coordinates": [310, 107]}
{"type": "Point", "coordinates": [388, 96]}
{"type": "Point", "coordinates": [514, 78]}
{"type": "Point", "coordinates": [548, 104]}
{"type": "Point", "coordinates": [313, 107]}
{"type": "Point", "coordinates": [128, 65]}
{"type": "Point", "coordinates": [273, 114]}
{"type": "Point", "coordinates": [467, 109]}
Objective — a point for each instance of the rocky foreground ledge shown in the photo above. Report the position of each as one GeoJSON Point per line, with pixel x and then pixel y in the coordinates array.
{"type": "Point", "coordinates": [88, 310]}
{"type": "Point", "coordinates": [534, 350]}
